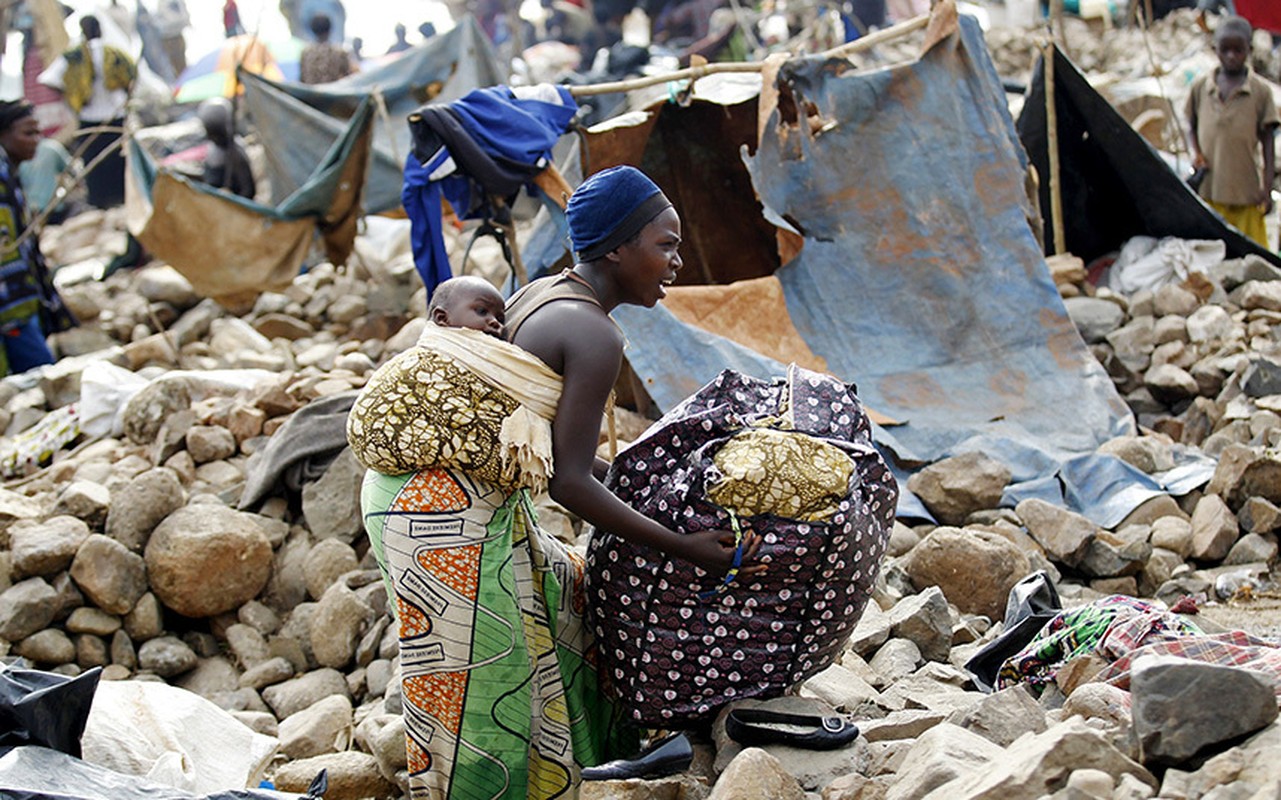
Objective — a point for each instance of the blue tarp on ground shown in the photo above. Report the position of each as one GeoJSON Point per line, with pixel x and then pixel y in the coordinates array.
{"type": "Point", "coordinates": [307, 118]}
{"type": "Point", "coordinates": [920, 280]}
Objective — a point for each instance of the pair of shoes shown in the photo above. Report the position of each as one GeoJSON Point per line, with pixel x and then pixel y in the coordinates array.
{"type": "Point", "coordinates": [668, 757]}
{"type": "Point", "coordinates": [753, 726]}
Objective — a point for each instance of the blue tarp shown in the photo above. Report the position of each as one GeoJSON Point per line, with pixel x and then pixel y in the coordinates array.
{"type": "Point", "coordinates": [306, 118]}
{"type": "Point", "coordinates": [920, 280]}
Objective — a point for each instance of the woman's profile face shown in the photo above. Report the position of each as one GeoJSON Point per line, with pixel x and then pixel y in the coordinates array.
{"type": "Point", "coordinates": [20, 139]}
{"type": "Point", "coordinates": [648, 264]}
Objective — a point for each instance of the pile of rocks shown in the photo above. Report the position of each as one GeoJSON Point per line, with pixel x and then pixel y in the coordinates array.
{"type": "Point", "coordinates": [128, 553]}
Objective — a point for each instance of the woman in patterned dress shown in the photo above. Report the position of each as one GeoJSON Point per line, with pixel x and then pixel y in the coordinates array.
{"type": "Point", "coordinates": [501, 693]}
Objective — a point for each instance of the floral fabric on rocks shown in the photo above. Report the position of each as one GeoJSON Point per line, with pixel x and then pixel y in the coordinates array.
{"type": "Point", "coordinates": [676, 648]}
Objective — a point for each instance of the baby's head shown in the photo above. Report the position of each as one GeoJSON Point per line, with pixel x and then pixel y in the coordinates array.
{"type": "Point", "coordinates": [468, 302]}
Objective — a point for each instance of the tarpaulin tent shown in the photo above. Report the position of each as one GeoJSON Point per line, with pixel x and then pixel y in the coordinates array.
{"type": "Point", "coordinates": [877, 223]}
{"type": "Point", "coordinates": [231, 248]}
{"type": "Point", "coordinates": [302, 119]}
{"type": "Point", "coordinates": [1114, 184]}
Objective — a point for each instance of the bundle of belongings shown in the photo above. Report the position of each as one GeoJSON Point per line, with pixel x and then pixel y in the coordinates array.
{"type": "Point", "coordinates": [790, 459]}
{"type": "Point", "coordinates": [459, 398]}
{"type": "Point", "coordinates": [1040, 639]}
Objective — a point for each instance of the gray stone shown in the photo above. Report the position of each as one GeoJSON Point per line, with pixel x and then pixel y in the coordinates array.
{"type": "Point", "coordinates": [906, 724]}
{"type": "Point", "coordinates": [1094, 318]}
{"type": "Point", "coordinates": [1174, 299]}
{"type": "Point", "coordinates": [1036, 765]}
{"type": "Point", "coordinates": [91, 651]}
{"type": "Point", "coordinates": [1170, 384]}
{"type": "Point", "coordinates": [1244, 472]}
{"type": "Point", "coordinates": [1064, 534]}
{"type": "Point", "coordinates": [1002, 717]}
{"type": "Point", "coordinates": [902, 540]}
{"type": "Point", "coordinates": [1214, 529]}
{"type": "Point", "coordinates": [206, 559]}
{"type": "Point", "coordinates": [45, 548]}
{"type": "Point", "coordinates": [1099, 701]}
{"type": "Point", "coordinates": [331, 505]}
{"type": "Point", "coordinates": [208, 443]}
{"type": "Point", "coordinates": [164, 284]}
{"type": "Point", "coordinates": [975, 568]}
{"type": "Point", "coordinates": [1184, 707]}
{"type": "Point", "coordinates": [1262, 378]}
{"type": "Point", "coordinates": [872, 630]}
{"type": "Point", "coordinates": [843, 690]}
{"type": "Point", "coordinates": [924, 619]}
{"type": "Point", "coordinates": [166, 656]}
{"type": "Point", "coordinates": [955, 487]}
{"type": "Point", "coordinates": [1251, 549]}
{"type": "Point", "coordinates": [109, 575]}
{"type": "Point", "coordinates": [86, 500]}
{"type": "Point", "coordinates": [294, 695]}
{"type": "Point", "coordinates": [325, 563]}
{"type": "Point", "coordinates": [896, 659]}
{"type": "Point", "coordinates": [92, 620]}
{"type": "Point", "coordinates": [939, 756]}
{"type": "Point", "coordinates": [340, 619]}
{"type": "Point", "coordinates": [47, 648]}
{"type": "Point", "coordinates": [352, 776]}
{"type": "Point", "coordinates": [211, 676]}
{"type": "Point", "coordinates": [1257, 515]}
{"type": "Point", "coordinates": [25, 608]}
{"type": "Point", "coordinates": [146, 619]}
{"type": "Point", "coordinates": [377, 676]}
{"type": "Point", "coordinates": [930, 690]}
{"type": "Point", "coordinates": [1173, 534]}
{"type": "Point", "coordinates": [287, 587]}
{"type": "Point", "coordinates": [267, 673]}
{"type": "Point", "coordinates": [388, 746]}
{"type": "Point", "coordinates": [122, 651]}
{"type": "Point", "coordinates": [1209, 324]}
{"type": "Point", "coordinates": [259, 616]}
{"type": "Point", "coordinates": [248, 645]}
{"type": "Point", "coordinates": [1117, 554]}
{"type": "Point", "coordinates": [142, 504]}
{"type": "Point", "coordinates": [321, 728]}
{"type": "Point", "coordinates": [755, 774]}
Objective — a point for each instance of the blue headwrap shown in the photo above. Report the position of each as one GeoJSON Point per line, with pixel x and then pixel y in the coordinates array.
{"type": "Point", "coordinates": [609, 208]}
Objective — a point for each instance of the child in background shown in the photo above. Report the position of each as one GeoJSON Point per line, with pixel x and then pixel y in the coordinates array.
{"type": "Point", "coordinates": [1231, 115]}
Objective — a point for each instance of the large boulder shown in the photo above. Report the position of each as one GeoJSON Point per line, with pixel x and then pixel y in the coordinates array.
{"type": "Point", "coordinates": [975, 569]}
{"type": "Point", "coordinates": [956, 487]}
{"type": "Point", "coordinates": [206, 559]}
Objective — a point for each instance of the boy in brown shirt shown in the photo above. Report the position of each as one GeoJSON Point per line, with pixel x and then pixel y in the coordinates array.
{"type": "Point", "coordinates": [1232, 116]}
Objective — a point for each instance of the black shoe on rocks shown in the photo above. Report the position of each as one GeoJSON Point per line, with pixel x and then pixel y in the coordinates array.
{"type": "Point", "coordinates": [755, 727]}
{"type": "Point", "coordinates": [668, 757]}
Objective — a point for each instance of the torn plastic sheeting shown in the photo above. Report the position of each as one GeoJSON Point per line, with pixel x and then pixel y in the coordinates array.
{"type": "Point", "coordinates": [44, 708]}
{"type": "Point", "coordinates": [920, 279]}
{"type": "Point", "coordinates": [38, 773]}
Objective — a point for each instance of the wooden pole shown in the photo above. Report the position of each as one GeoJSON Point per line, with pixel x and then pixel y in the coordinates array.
{"type": "Point", "coordinates": [694, 73]}
{"type": "Point", "coordinates": [1052, 129]}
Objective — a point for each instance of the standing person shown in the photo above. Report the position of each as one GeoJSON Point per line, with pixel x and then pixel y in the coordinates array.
{"type": "Point", "coordinates": [231, 25]}
{"type": "Point", "coordinates": [95, 79]}
{"type": "Point", "coordinates": [323, 61]}
{"type": "Point", "coordinates": [172, 21]}
{"type": "Point", "coordinates": [401, 44]}
{"type": "Point", "coordinates": [502, 697]}
{"type": "Point", "coordinates": [30, 307]}
{"type": "Point", "coordinates": [226, 163]}
{"type": "Point", "coordinates": [1231, 117]}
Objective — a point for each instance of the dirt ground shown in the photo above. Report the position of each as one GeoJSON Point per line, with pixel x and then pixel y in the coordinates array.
{"type": "Point", "coordinates": [1260, 614]}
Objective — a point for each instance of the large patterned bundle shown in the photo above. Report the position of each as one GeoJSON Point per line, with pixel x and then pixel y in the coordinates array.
{"type": "Point", "coordinates": [790, 459]}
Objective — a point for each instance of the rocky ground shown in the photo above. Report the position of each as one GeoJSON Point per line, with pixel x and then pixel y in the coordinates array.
{"type": "Point", "coordinates": [127, 551]}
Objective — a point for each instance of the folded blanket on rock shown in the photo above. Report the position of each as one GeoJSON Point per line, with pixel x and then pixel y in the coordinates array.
{"type": "Point", "coordinates": [790, 459]}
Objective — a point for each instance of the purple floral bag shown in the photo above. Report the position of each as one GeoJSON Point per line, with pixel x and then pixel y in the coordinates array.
{"type": "Point", "coordinates": [676, 649]}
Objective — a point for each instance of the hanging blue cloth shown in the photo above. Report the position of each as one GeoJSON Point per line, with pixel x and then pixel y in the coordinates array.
{"type": "Point", "coordinates": [488, 143]}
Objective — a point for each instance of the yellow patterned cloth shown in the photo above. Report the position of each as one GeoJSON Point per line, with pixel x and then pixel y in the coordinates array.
{"type": "Point", "coordinates": [458, 399]}
{"type": "Point", "coordinates": [787, 474]}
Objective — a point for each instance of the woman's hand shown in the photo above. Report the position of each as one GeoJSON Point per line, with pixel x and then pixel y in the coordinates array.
{"type": "Point", "coordinates": [713, 552]}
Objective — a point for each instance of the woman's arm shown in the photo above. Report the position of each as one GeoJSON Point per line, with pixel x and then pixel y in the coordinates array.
{"type": "Point", "coordinates": [589, 350]}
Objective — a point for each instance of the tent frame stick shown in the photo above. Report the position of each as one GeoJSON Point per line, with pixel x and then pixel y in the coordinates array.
{"type": "Point", "coordinates": [1052, 131]}
{"type": "Point", "coordinates": [694, 73]}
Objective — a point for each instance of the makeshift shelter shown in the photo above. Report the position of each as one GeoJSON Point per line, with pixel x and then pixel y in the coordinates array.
{"type": "Point", "coordinates": [303, 119]}
{"type": "Point", "coordinates": [255, 247]}
{"type": "Point", "coordinates": [1114, 184]}
{"type": "Point", "coordinates": [876, 224]}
